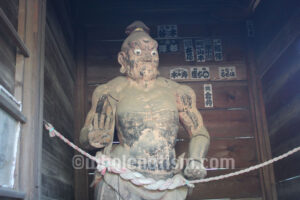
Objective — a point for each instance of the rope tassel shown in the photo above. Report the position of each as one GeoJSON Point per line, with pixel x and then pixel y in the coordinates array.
{"type": "Point", "coordinates": [103, 165]}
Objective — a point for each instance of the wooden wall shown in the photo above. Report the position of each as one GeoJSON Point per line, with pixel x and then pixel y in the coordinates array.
{"type": "Point", "coordinates": [7, 48]}
{"type": "Point", "coordinates": [229, 122]}
{"type": "Point", "coordinates": [59, 80]}
{"type": "Point", "coordinates": [278, 66]}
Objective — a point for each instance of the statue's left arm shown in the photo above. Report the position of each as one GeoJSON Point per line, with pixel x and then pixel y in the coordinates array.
{"type": "Point", "coordinates": [192, 121]}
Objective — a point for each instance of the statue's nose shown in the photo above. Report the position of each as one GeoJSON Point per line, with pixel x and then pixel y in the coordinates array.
{"type": "Point", "coordinates": [148, 58]}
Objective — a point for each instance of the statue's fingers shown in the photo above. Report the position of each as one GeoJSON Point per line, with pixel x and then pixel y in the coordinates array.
{"type": "Point", "coordinates": [102, 120]}
{"type": "Point", "coordinates": [96, 121]}
{"type": "Point", "coordinates": [105, 104]}
{"type": "Point", "coordinates": [107, 122]}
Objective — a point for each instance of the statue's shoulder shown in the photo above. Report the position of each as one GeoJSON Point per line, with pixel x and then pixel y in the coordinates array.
{"type": "Point", "coordinates": [113, 86]}
{"type": "Point", "coordinates": [165, 82]}
{"type": "Point", "coordinates": [177, 87]}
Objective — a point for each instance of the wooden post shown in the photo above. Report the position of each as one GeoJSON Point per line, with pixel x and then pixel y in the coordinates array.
{"type": "Point", "coordinates": [260, 128]}
{"type": "Point", "coordinates": [81, 175]}
{"type": "Point", "coordinates": [32, 20]}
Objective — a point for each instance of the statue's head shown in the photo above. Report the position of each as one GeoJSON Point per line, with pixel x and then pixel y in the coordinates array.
{"type": "Point", "coordinates": [138, 56]}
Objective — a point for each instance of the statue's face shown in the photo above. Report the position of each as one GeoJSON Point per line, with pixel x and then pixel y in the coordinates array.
{"type": "Point", "coordinates": [141, 58]}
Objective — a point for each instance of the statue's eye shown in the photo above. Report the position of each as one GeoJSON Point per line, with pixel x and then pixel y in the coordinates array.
{"type": "Point", "coordinates": [154, 53]}
{"type": "Point", "coordinates": [137, 52]}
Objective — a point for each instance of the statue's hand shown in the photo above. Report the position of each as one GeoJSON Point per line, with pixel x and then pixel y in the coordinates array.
{"type": "Point", "coordinates": [102, 128]}
{"type": "Point", "coordinates": [195, 170]}
{"type": "Point", "coordinates": [99, 138]}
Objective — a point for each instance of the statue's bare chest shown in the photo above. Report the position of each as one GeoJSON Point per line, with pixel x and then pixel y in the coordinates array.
{"type": "Point", "coordinates": [147, 118]}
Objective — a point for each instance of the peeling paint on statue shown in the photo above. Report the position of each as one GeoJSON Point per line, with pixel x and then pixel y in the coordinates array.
{"type": "Point", "coordinates": [146, 111]}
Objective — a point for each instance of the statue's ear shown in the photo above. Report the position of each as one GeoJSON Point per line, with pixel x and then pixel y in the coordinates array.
{"type": "Point", "coordinates": [122, 59]}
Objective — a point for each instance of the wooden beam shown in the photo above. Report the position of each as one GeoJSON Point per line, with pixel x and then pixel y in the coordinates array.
{"type": "Point", "coordinates": [80, 109]}
{"type": "Point", "coordinates": [30, 155]}
{"type": "Point", "coordinates": [9, 193]}
{"type": "Point", "coordinates": [289, 67]}
{"type": "Point", "coordinates": [260, 129]}
{"type": "Point", "coordinates": [287, 113]}
{"type": "Point", "coordinates": [11, 109]}
{"type": "Point", "coordinates": [12, 33]}
{"type": "Point", "coordinates": [286, 36]}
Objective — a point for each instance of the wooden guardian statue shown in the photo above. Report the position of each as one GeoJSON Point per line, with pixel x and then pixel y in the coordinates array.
{"type": "Point", "coordinates": [146, 110]}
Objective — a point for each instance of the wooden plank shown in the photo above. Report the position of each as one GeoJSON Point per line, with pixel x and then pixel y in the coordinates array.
{"type": "Point", "coordinates": [288, 167]}
{"type": "Point", "coordinates": [117, 32]}
{"type": "Point", "coordinates": [11, 109]}
{"type": "Point", "coordinates": [285, 115]}
{"type": "Point", "coordinates": [284, 94]}
{"type": "Point", "coordinates": [56, 29]}
{"type": "Point", "coordinates": [241, 152]}
{"type": "Point", "coordinates": [99, 75]}
{"type": "Point", "coordinates": [225, 94]}
{"type": "Point", "coordinates": [11, 8]}
{"type": "Point", "coordinates": [289, 189]}
{"type": "Point", "coordinates": [279, 76]}
{"type": "Point", "coordinates": [243, 186]}
{"type": "Point", "coordinates": [61, 190]}
{"type": "Point", "coordinates": [6, 193]}
{"type": "Point", "coordinates": [258, 114]}
{"type": "Point", "coordinates": [19, 78]}
{"type": "Point", "coordinates": [81, 187]}
{"type": "Point", "coordinates": [241, 71]}
{"type": "Point", "coordinates": [57, 67]}
{"type": "Point", "coordinates": [31, 132]}
{"type": "Point", "coordinates": [11, 31]}
{"type": "Point", "coordinates": [279, 44]}
{"type": "Point", "coordinates": [7, 62]}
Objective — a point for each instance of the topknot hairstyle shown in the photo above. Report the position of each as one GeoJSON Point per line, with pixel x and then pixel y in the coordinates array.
{"type": "Point", "coordinates": [137, 26]}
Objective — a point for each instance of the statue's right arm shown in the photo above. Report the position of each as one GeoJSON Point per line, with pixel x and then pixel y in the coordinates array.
{"type": "Point", "coordinates": [98, 126]}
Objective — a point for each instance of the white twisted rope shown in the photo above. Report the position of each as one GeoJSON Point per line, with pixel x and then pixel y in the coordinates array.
{"type": "Point", "coordinates": [103, 164]}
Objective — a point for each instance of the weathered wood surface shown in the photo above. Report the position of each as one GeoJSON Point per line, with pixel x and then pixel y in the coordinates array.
{"type": "Point", "coordinates": [7, 48]}
{"type": "Point", "coordinates": [277, 52]}
{"type": "Point", "coordinates": [57, 169]}
{"type": "Point", "coordinates": [230, 30]}
{"type": "Point", "coordinates": [289, 189]}
{"type": "Point", "coordinates": [237, 149]}
{"type": "Point", "coordinates": [10, 8]}
{"type": "Point", "coordinates": [243, 186]}
{"type": "Point", "coordinates": [284, 38]}
{"type": "Point", "coordinates": [30, 157]}
{"type": "Point", "coordinates": [80, 108]}
{"type": "Point", "coordinates": [278, 67]}
{"type": "Point", "coordinates": [9, 29]}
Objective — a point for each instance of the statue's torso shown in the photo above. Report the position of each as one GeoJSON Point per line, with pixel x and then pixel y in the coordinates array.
{"type": "Point", "coordinates": [147, 124]}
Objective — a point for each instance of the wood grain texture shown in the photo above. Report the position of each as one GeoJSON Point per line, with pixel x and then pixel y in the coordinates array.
{"type": "Point", "coordinates": [116, 32]}
{"type": "Point", "coordinates": [11, 8]}
{"type": "Point", "coordinates": [243, 186]}
{"type": "Point", "coordinates": [219, 150]}
{"type": "Point", "coordinates": [289, 189]}
{"type": "Point", "coordinates": [260, 127]}
{"type": "Point", "coordinates": [33, 87]}
{"type": "Point", "coordinates": [57, 170]}
{"type": "Point", "coordinates": [7, 62]}
{"type": "Point", "coordinates": [80, 107]}
{"type": "Point", "coordinates": [9, 29]}
{"type": "Point", "coordinates": [284, 38]}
